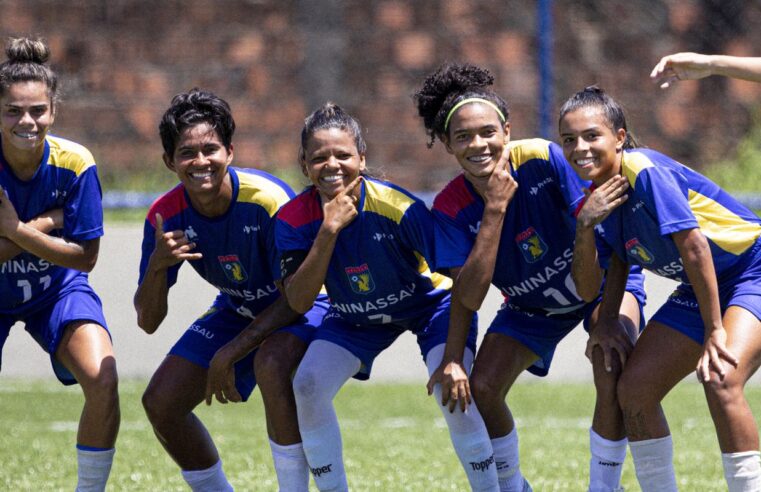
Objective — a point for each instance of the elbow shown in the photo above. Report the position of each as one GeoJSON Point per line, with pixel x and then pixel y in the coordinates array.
{"type": "Point", "coordinates": [467, 298]}
{"type": "Point", "coordinates": [471, 304]}
{"type": "Point", "coordinates": [146, 325]}
{"type": "Point", "coordinates": [587, 290]}
{"type": "Point", "coordinates": [298, 304]}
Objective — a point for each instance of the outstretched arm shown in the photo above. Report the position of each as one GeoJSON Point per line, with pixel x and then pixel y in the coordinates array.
{"type": "Point", "coordinates": [691, 66]}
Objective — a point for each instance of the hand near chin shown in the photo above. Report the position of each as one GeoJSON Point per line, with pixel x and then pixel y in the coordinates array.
{"type": "Point", "coordinates": [602, 201]}
{"type": "Point", "coordinates": [342, 209]}
{"type": "Point", "coordinates": [499, 187]}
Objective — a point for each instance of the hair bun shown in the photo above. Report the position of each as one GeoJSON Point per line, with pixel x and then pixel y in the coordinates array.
{"type": "Point", "coordinates": [20, 50]}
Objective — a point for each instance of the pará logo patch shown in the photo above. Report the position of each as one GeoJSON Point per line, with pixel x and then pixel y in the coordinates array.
{"type": "Point", "coordinates": [360, 279]}
{"type": "Point", "coordinates": [531, 245]}
{"type": "Point", "coordinates": [638, 251]}
{"type": "Point", "coordinates": [233, 268]}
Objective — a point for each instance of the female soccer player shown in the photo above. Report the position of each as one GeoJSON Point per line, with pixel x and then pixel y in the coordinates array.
{"type": "Point", "coordinates": [220, 219]}
{"type": "Point", "coordinates": [677, 224]}
{"type": "Point", "coordinates": [691, 66]}
{"type": "Point", "coordinates": [508, 220]}
{"type": "Point", "coordinates": [369, 242]}
{"type": "Point", "coordinates": [50, 226]}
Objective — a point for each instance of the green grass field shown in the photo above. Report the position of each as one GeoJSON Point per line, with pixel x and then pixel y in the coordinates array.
{"type": "Point", "coordinates": [394, 439]}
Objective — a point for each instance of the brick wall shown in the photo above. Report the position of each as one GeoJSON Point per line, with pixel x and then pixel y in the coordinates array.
{"type": "Point", "coordinates": [121, 61]}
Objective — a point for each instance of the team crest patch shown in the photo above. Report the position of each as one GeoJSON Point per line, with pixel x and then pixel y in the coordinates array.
{"type": "Point", "coordinates": [233, 268]}
{"type": "Point", "coordinates": [638, 251]}
{"type": "Point", "coordinates": [531, 245]}
{"type": "Point", "coordinates": [360, 279]}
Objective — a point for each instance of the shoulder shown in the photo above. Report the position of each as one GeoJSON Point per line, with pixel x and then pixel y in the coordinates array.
{"type": "Point", "coordinates": [640, 162]}
{"type": "Point", "coordinates": [530, 149]}
{"type": "Point", "coordinates": [170, 204]}
{"type": "Point", "coordinates": [388, 199]}
{"type": "Point", "coordinates": [302, 209]}
{"type": "Point", "coordinates": [454, 197]}
{"type": "Point", "coordinates": [69, 155]}
{"type": "Point", "coordinates": [261, 188]}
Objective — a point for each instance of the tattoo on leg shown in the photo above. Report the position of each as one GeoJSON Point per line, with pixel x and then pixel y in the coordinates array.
{"type": "Point", "coordinates": [634, 420]}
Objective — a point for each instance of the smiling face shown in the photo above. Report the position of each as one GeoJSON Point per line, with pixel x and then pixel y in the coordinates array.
{"type": "Point", "coordinates": [589, 143]}
{"type": "Point", "coordinates": [200, 160]}
{"type": "Point", "coordinates": [26, 113]}
{"type": "Point", "coordinates": [331, 161]}
{"type": "Point", "coordinates": [477, 137]}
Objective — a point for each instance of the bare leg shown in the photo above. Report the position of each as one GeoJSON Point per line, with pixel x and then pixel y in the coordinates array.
{"type": "Point", "coordinates": [86, 351]}
{"type": "Point", "coordinates": [661, 358]}
{"type": "Point", "coordinates": [735, 426]}
{"type": "Point", "coordinates": [175, 389]}
{"type": "Point", "coordinates": [608, 420]}
{"type": "Point", "coordinates": [274, 365]}
{"type": "Point", "coordinates": [500, 360]}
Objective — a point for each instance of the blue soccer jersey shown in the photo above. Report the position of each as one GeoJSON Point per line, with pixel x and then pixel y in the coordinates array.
{"type": "Point", "coordinates": [667, 197]}
{"type": "Point", "coordinates": [238, 247]}
{"type": "Point", "coordinates": [66, 179]}
{"type": "Point", "coordinates": [533, 267]}
{"type": "Point", "coordinates": [379, 269]}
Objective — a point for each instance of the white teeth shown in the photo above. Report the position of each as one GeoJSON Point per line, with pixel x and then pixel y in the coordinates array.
{"type": "Point", "coordinates": [584, 162]}
{"type": "Point", "coordinates": [26, 135]}
{"type": "Point", "coordinates": [201, 175]}
{"type": "Point", "coordinates": [332, 179]}
{"type": "Point", "coordinates": [479, 158]}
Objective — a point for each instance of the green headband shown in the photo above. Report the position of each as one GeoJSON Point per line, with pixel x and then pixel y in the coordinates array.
{"type": "Point", "coordinates": [472, 100]}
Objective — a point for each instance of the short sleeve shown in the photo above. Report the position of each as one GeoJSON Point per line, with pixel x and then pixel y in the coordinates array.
{"type": "Point", "coordinates": [82, 210]}
{"type": "Point", "coordinates": [665, 194]}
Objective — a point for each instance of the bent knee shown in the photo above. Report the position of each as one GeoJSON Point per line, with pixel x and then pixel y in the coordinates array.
{"type": "Point", "coordinates": [103, 386]}
{"type": "Point", "coordinates": [275, 365]}
{"type": "Point", "coordinates": [305, 385]}
{"type": "Point", "coordinates": [634, 392]}
{"type": "Point", "coordinates": [727, 390]}
{"type": "Point", "coordinates": [485, 391]}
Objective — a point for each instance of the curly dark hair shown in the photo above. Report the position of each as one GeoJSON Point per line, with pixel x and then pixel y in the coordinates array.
{"type": "Point", "coordinates": [448, 85]}
{"type": "Point", "coordinates": [192, 108]}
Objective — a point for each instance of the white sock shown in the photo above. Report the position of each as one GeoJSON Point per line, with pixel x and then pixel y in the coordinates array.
{"type": "Point", "coordinates": [93, 468]}
{"type": "Point", "coordinates": [211, 479]}
{"type": "Point", "coordinates": [606, 464]}
{"type": "Point", "coordinates": [742, 471]}
{"type": "Point", "coordinates": [323, 370]}
{"type": "Point", "coordinates": [467, 431]}
{"type": "Point", "coordinates": [290, 466]}
{"type": "Point", "coordinates": [508, 463]}
{"type": "Point", "coordinates": [654, 464]}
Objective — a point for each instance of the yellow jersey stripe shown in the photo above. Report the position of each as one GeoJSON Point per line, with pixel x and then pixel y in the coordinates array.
{"type": "Point", "coordinates": [522, 151]}
{"type": "Point", "coordinates": [438, 280]}
{"type": "Point", "coordinates": [386, 201]}
{"type": "Point", "coordinates": [635, 162]}
{"type": "Point", "coordinates": [69, 155]}
{"type": "Point", "coordinates": [262, 191]}
{"type": "Point", "coordinates": [719, 224]}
